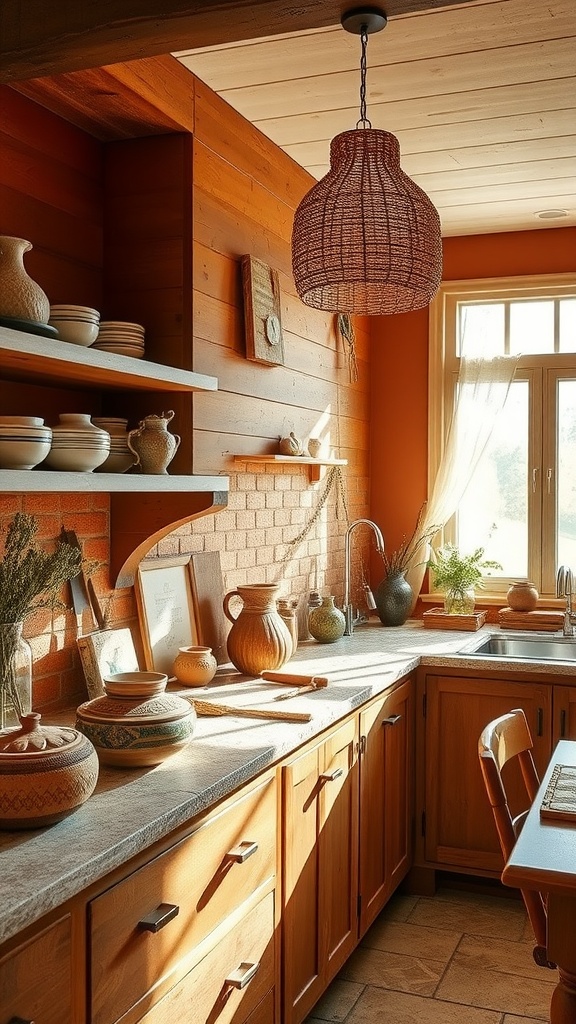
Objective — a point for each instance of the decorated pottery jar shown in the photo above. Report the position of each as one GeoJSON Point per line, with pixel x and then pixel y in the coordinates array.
{"type": "Point", "coordinates": [327, 623]}
{"type": "Point", "coordinates": [194, 666]}
{"type": "Point", "coordinates": [134, 726]}
{"type": "Point", "coordinates": [46, 773]}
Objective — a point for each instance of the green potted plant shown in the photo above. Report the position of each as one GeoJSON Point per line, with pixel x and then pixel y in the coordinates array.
{"type": "Point", "coordinates": [459, 576]}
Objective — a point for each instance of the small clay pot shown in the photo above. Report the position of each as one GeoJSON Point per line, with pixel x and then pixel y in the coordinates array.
{"type": "Point", "coordinates": [327, 623]}
{"type": "Point", "coordinates": [46, 773]}
{"type": "Point", "coordinates": [194, 666]}
{"type": "Point", "coordinates": [522, 596]}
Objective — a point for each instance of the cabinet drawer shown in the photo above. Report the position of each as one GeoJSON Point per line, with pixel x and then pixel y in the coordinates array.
{"type": "Point", "coordinates": [35, 979]}
{"type": "Point", "coordinates": [205, 996]}
{"type": "Point", "coordinates": [206, 876]}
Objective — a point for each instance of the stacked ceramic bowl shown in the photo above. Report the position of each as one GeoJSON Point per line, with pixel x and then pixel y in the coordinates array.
{"type": "Point", "coordinates": [76, 324]}
{"type": "Point", "coordinates": [77, 445]}
{"type": "Point", "coordinates": [24, 441]}
{"type": "Point", "coordinates": [123, 338]}
{"type": "Point", "coordinates": [120, 458]}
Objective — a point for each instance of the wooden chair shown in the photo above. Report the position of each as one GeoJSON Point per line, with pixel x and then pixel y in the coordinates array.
{"type": "Point", "coordinates": [503, 739]}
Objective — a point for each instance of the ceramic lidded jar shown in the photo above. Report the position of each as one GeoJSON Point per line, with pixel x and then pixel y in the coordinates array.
{"type": "Point", "coordinates": [139, 728]}
{"type": "Point", "coordinates": [46, 773]}
{"type": "Point", "coordinates": [259, 638]}
{"type": "Point", "coordinates": [77, 444]}
{"type": "Point", "coordinates": [20, 296]}
{"type": "Point", "coordinates": [327, 623]}
{"type": "Point", "coordinates": [153, 444]}
{"type": "Point", "coordinates": [194, 666]}
{"type": "Point", "coordinates": [522, 596]}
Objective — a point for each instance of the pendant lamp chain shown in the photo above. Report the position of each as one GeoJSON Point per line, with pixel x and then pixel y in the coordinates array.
{"type": "Point", "coordinates": [366, 238]}
{"type": "Point", "coordinates": [363, 122]}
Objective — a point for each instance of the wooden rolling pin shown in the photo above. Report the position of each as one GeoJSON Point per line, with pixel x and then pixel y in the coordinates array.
{"type": "Point", "coordinates": [204, 707]}
{"type": "Point", "coordinates": [294, 680]}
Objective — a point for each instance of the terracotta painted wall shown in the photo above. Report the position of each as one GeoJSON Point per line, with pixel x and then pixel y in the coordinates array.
{"type": "Point", "coordinates": [399, 379]}
{"type": "Point", "coordinates": [244, 191]}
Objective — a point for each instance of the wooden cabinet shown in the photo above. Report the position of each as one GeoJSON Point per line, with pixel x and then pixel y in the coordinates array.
{"type": "Point", "coordinates": [457, 823]}
{"type": "Point", "coordinates": [36, 978]}
{"type": "Point", "coordinates": [386, 798]}
{"type": "Point", "coordinates": [564, 718]}
{"type": "Point", "coordinates": [150, 930]}
{"type": "Point", "coordinates": [320, 843]}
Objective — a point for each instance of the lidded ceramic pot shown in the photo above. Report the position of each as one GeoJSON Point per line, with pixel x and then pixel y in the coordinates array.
{"type": "Point", "coordinates": [137, 724]}
{"type": "Point", "coordinates": [194, 666]}
{"type": "Point", "coordinates": [327, 623]}
{"type": "Point", "coordinates": [46, 773]}
{"type": "Point", "coordinates": [259, 638]}
{"type": "Point", "coordinates": [153, 444]}
{"type": "Point", "coordinates": [20, 296]}
{"type": "Point", "coordinates": [77, 444]}
{"type": "Point", "coordinates": [522, 596]}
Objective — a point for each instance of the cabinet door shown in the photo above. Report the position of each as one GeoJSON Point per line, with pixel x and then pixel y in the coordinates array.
{"type": "Point", "coordinates": [459, 826]}
{"type": "Point", "coordinates": [36, 978]}
{"type": "Point", "coordinates": [386, 798]}
{"type": "Point", "coordinates": [564, 713]}
{"type": "Point", "coordinates": [320, 853]}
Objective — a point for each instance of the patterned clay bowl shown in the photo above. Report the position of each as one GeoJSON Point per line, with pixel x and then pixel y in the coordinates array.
{"type": "Point", "coordinates": [137, 731]}
{"type": "Point", "coordinates": [46, 773]}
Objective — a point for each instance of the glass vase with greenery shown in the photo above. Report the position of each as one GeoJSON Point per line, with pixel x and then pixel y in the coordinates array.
{"type": "Point", "coordinates": [30, 578]}
{"type": "Point", "coordinates": [459, 576]}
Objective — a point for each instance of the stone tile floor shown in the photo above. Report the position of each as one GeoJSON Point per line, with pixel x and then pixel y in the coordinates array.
{"type": "Point", "coordinates": [456, 958]}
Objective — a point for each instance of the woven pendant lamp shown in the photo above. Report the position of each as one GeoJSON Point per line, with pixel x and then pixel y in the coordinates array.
{"type": "Point", "coordinates": [366, 239]}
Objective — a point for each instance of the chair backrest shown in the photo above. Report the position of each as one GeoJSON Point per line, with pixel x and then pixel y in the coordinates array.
{"type": "Point", "coordinates": [503, 739]}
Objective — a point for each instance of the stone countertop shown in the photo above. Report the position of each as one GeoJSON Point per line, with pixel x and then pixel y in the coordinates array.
{"type": "Point", "coordinates": [132, 808]}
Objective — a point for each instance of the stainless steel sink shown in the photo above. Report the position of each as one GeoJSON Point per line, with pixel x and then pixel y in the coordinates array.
{"type": "Point", "coordinates": [536, 648]}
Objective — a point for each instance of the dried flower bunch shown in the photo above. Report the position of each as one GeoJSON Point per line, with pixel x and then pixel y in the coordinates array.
{"type": "Point", "coordinates": [400, 561]}
{"type": "Point", "coordinates": [31, 577]}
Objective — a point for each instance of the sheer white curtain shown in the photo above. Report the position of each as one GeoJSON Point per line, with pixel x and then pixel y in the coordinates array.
{"type": "Point", "coordinates": [483, 385]}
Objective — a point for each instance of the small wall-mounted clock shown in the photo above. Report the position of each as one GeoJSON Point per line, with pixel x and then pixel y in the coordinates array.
{"type": "Point", "coordinates": [264, 341]}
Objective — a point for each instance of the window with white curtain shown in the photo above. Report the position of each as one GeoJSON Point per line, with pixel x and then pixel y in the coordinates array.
{"type": "Point", "coordinates": [520, 502]}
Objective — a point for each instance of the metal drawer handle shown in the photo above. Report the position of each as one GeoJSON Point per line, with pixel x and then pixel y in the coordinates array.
{"type": "Point", "coordinates": [332, 776]}
{"type": "Point", "coordinates": [241, 852]}
{"type": "Point", "coordinates": [158, 918]}
{"type": "Point", "coordinates": [392, 720]}
{"type": "Point", "coordinates": [20, 1020]}
{"type": "Point", "coordinates": [242, 975]}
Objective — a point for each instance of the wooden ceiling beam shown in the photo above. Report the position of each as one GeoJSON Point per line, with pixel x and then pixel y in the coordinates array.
{"type": "Point", "coordinates": [39, 38]}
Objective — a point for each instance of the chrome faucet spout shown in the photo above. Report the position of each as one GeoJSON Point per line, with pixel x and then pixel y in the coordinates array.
{"type": "Point", "coordinates": [564, 588]}
{"type": "Point", "coordinates": [348, 608]}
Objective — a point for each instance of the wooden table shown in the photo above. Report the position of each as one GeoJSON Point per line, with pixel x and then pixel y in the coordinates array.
{"type": "Point", "coordinates": [544, 859]}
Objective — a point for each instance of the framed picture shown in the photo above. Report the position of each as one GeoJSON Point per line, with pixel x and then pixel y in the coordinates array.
{"type": "Point", "coordinates": [104, 652]}
{"type": "Point", "coordinates": [165, 610]}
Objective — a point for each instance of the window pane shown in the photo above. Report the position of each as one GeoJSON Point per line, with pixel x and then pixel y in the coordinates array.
{"type": "Point", "coordinates": [494, 511]}
{"type": "Point", "coordinates": [531, 327]}
{"type": "Point", "coordinates": [566, 489]}
{"type": "Point", "coordinates": [568, 325]}
{"type": "Point", "coordinates": [481, 328]}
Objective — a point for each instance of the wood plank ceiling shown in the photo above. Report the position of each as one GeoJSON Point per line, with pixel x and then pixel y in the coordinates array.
{"type": "Point", "coordinates": [482, 98]}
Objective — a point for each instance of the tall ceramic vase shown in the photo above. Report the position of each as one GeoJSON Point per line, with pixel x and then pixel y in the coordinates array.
{"type": "Point", "coordinates": [394, 597]}
{"type": "Point", "coordinates": [20, 296]}
{"type": "Point", "coordinates": [259, 638]}
{"type": "Point", "coordinates": [153, 444]}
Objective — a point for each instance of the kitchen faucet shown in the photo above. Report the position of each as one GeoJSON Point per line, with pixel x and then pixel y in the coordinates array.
{"type": "Point", "coordinates": [564, 585]}
{"type": "Point", "coordinates": [348, 608]}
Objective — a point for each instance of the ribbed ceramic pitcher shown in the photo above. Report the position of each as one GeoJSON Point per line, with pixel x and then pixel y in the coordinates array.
{"type": "Point", "coordinates": [259, 638]}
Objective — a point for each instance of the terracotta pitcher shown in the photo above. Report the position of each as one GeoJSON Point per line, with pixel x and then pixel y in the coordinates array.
{"type": "Point", "coordinates": [259, 638]}
{"type": "Point", "coordinates": [152, 443]}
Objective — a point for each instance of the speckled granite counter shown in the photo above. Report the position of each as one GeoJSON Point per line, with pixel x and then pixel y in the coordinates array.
{"type": "Point", "coordinates": [130, 810]}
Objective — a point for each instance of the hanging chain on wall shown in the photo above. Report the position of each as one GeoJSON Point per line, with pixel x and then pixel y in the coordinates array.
{"type": "Point", "coordinates": [334, 479]}
{"type": "Point", "coordinates": [347, 333]}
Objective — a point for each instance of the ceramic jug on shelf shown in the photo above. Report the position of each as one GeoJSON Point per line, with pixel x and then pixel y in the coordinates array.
{"type": "Point", "coordinates": [153, 444]}
{"type": "Point", "coordinates": [20, 296]}
{"type": "Point", "coordinates": [259, 638]}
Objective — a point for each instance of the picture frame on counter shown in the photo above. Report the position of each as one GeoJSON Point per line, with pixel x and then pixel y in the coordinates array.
{"type": "Point", "coordinates": [104, 652]}
{"type": "Point", "coordinates": [165, 603]}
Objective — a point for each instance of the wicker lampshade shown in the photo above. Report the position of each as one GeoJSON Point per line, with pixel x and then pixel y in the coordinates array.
{"type": "Point", "coordinates": [366, 238]}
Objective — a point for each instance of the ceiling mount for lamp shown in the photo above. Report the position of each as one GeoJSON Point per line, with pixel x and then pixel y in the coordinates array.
{"type": "Point", "coordinates": [366, 238]}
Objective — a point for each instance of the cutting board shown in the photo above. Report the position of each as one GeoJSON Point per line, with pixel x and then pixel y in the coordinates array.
{"type": "Point", "coordinates": [208, 597]}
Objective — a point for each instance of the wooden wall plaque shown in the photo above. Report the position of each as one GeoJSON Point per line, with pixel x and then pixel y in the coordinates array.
{"type": "Point", "coordinates": [264, 341]}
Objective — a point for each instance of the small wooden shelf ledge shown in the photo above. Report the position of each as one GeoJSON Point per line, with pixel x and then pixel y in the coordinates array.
{"type": "Point", "coordinates": [314, 465]}
{"type": "Point", "coordinates": [29, 356]}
